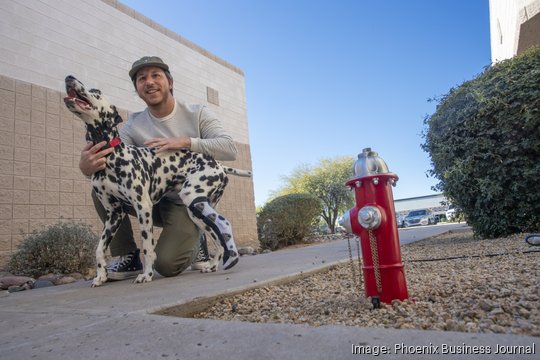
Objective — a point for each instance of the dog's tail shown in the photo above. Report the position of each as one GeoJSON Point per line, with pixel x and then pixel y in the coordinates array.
{"type": "Point", "coordinates": [238, 172]}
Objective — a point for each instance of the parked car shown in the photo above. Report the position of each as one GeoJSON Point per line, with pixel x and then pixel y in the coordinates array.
{"type": "Point", "coordinates": [452, 213]}
{"type": "Point", "coordinates": [420, 217]}
{"type": "Point", "coordinates": [400, 221]}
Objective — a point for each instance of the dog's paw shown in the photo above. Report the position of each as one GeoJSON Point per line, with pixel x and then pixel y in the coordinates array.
{"type": "Point", "coordinates": [142, 278]}
{"type": "Point", "coordinates": [211, 265]}
{"type": "Point", "coordinates": [98, 281]}
{"type": "Point", "coordinates": [209, 269]}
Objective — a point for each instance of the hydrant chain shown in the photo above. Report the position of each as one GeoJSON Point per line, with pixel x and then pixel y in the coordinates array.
{"type": "Point", "coordinates": [359, 260]}
{"type": "Point", "coordinates": [375, 257]}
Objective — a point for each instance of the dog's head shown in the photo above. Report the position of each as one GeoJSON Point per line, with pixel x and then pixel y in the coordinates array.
{"type": "Point", "coordinates": [90, 105]}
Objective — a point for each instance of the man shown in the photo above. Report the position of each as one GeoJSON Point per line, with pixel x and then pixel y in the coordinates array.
{"type": "Point", "coordinates": [166, 124]}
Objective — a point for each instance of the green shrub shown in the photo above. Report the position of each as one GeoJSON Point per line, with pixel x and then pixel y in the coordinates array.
{"type": "Point", "coordinates": [60, 249]}
{"type": "Point", "coordinates": [287, 219]}
{"type": "Point", "coordinates": [484, 144]}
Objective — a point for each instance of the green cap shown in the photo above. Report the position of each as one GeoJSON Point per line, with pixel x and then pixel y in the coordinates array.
{"type": "Point", "coordinates": [147, 61]}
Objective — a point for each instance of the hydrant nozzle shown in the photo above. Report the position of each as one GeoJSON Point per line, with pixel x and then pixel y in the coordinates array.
{"type": "Point", "coordinates": [369, 217]}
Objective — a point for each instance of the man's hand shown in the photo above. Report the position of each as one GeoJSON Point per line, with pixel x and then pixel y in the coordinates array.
{"type": "Point", "coordinates": [162, 144]}
{"type": "Point", "coordinates": [94, 159]}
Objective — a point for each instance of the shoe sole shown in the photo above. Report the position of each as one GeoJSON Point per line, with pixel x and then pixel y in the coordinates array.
{"type": "Point", "coordinates": [123, 275]}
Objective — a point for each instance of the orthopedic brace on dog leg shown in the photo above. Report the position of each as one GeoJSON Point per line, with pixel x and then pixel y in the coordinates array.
{"type": "Point", "coordinates": [218, 225]}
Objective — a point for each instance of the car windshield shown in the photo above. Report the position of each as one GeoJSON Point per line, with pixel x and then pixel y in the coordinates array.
{"type": "Point", "coordinates": [418, 213]}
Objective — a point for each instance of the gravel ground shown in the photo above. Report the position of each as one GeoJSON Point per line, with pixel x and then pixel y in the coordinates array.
{"type": "Point", "coordinates": [471, 292]}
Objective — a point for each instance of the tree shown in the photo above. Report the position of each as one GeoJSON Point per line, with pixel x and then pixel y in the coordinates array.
{"type": "Point", "coordinates": [484, 144]}
{"type": "Point", "coordinates": [326, 181]}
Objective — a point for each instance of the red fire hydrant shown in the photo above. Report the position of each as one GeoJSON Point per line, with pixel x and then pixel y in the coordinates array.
{"type": "Point", "coordinates": [373, 220]}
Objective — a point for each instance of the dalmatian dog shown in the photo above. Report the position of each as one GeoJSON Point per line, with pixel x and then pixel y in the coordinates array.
{"type": "Point", "coordinates": [139, 177]}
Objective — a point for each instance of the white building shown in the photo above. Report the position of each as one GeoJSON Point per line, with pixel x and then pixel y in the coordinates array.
{"type": "Point", "coordinates": [438, 203]}
{"type": "Point", "coordinates": [514, 27]}
{"type": "Point", "coordinates": [40, 140]}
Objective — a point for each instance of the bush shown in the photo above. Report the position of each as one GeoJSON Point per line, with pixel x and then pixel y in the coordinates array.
{"type": "Point", "coordinates": [287, 219]}
{"type": "Point", "coordinates": [60, 249]}
{"type": "Point", "coordinates": [484, 144]}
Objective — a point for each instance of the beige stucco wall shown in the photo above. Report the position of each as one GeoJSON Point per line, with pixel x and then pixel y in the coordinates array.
{"type": "Point", "coordinates": [40, 141]}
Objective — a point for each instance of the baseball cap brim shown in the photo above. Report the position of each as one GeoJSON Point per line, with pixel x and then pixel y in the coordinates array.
{"type": "Point", "coordinates": [147, 61]}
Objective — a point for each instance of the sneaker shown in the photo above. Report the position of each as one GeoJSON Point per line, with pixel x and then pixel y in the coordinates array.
{"type": "Point", "coordinates": [125, 267]}
{"type": "Point", "coordinates": [202, 260]}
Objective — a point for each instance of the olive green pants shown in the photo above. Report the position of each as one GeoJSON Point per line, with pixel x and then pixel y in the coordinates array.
{"type": "Point", "coordinates": [177, 245]}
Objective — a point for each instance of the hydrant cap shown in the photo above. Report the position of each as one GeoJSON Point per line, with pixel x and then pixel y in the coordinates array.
{"type": "Point", "coordinates": [369, 163]}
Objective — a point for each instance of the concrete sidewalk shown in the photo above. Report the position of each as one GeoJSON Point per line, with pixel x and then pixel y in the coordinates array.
{"type": "Point", "coordinates": [116, 321]}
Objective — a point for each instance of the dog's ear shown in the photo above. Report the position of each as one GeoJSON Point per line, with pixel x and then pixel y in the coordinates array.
{"type": "Point", "coordinates": [117, 120]}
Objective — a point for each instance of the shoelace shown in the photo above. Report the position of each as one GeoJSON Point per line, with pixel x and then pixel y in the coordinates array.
{"type": "Point", "coordinates": [201, 256]}
{"type": "Point", "coordinates": [121, 261]}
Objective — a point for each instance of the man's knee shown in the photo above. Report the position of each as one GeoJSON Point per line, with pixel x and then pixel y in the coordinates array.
{"type": "Point", "coordinates": [170, 265]}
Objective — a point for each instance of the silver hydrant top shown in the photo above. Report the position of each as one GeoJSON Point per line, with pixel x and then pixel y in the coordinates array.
{"type": "Point", "coordinates": [369, 163]}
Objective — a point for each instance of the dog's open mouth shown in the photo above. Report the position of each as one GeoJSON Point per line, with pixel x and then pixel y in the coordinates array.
{"type": "Point", "coordinates": [75, 98]}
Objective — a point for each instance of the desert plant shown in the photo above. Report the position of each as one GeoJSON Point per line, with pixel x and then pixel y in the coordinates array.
{"type": "Point", "coordinates": [62, 248]}
{"type": "Point", "coordinates": [484, 144]}
{"type": "Point", "coordinates": [287, 219]}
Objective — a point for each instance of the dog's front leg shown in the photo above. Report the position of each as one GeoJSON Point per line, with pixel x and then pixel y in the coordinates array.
{"type": "Point", "coordinates": [101, 273]}
{"type": "Point", "coordinates": [114, 219]}
{"type": "Point", "coordinates": [146, 223]}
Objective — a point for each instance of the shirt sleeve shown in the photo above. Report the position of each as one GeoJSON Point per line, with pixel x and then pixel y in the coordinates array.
{"type": "Point", "coordinates": [214, 140]}
{"type": "Point", "coordinates": [125, 135]}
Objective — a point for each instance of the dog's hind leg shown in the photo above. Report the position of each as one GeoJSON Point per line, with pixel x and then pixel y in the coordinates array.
{"type": "Point", "coordinates": [216, 226]}
{"type": "Point", "coordinates": [114, 219]}
{"type": "Point", "coordinates": [144, 215]}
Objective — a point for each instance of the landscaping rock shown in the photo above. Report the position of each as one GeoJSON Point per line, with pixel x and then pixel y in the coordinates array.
{"type": "Point", "coordinates": [76, 276]}
{"type": "Point", "coordinates": [470, 291]}
{"type": "Point", "coordinates": [10, 280]}
{"type": "Point", "coordinates": [248, 250]}
{"type": "Point", "coordinates": [65, 280]}
{"type": "Point", "coordinates": [17, 288]}
{"type": "Point", "coordinates": [50, 277]}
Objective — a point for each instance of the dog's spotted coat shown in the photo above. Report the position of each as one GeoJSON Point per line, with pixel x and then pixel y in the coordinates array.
{"type": "Point", "coordinates": [138, 177]}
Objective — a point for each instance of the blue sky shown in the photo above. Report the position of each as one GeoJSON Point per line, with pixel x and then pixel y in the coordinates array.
{"type": "Point", "coordinates": [327, 78]}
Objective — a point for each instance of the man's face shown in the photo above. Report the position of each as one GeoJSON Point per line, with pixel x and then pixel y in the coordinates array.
{"type": "Point", "coordinates": [152, 85]}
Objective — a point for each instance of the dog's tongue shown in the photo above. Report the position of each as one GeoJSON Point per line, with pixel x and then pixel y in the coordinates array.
{"type": "Point", "coordinates": [81, 103]}
{"type": "Point", "coordinates": [73, 97]}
